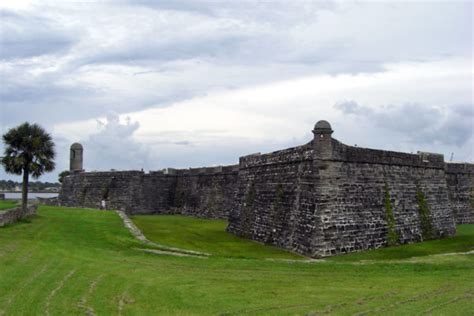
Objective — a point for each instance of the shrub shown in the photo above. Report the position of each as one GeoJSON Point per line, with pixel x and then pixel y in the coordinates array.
{"type": "Point", "coordinates": [425, 215]}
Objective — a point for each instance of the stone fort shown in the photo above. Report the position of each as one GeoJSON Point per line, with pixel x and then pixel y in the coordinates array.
{"type": "Point", "coordinates": [320, 199]}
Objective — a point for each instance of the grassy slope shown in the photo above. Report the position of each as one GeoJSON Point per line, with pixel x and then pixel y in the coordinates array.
{"type": "Point", "coordinates": [204, 235]}
{"type": "Point", "coordinates": [75, 261]}
{"type": "Point", "coordinates": [462, 242]}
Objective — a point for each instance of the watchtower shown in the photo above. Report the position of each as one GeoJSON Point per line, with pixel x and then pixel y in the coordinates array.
{"type": "Point", "coordinates": [75, 159]}
{"type": "Point", "coordinates": [322, 140]}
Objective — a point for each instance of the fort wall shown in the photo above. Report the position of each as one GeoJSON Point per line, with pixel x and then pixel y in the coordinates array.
{"type": "Point", "coordinates": [327, 198]}
{"type": "Point", "coordinates": [320, 199]}
{"type": "Point", "coordinates": [120, 189]}
{"type": "Point", "coordinates": [357, 187]}
{"type": "Point", "coordinates": [460, 181]}
{"type": "Point", "coordinates": [202, 192]}
{"type": "Point", "coordinates": [320, 202]}
{"type": "Point", "coordinates": [274, 203]}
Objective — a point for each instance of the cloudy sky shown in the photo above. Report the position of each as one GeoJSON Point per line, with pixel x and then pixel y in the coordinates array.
{"type": "Point", "coordinates": [154, 84]}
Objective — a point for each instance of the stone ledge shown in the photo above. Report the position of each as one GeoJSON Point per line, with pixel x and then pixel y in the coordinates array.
{"type": "Point", "coordinates": [13, 215]}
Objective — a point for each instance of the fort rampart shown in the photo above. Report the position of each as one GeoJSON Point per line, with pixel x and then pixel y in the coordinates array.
{"type": "Point", "coordinates": [319, 199]}
{"type": "Point", "coordinates": [201, 192]}
{"type": "Point", "coordinates": [460, 180]}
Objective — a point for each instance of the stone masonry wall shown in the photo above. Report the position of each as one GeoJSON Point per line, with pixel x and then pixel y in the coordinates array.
{"type": "Point", "coordinates": [121, 189]}
{"type": "Point", "coordinates": [274, 200]}
{"type": "Point", "coordinates": [207, 192]}
{"type": "Point", "coordinates": [326, 198]}
{"type": "Point", "coordinates": [203, 192]}
{"type": "Point", "coordinates": [460, 180]}
{"type": "Point", "coordinates": [351, 205]}
{"type": "Point", "coordinates": [13, 215]}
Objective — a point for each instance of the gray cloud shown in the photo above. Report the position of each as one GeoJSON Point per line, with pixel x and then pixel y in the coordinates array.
{"type": "Point", "coordinates": [24, 36]}
{"type": "Point", "coordinates": [72, 61]}
{"type": "Point", "coordinates": [419, 123]}
{"type": "Point", "coordinates": [277, 10]}
{"type": "Point", "coordinates": [239, 43]}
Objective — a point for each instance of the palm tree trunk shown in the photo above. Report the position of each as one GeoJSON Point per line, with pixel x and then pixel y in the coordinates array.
{"type": "Point", "coordinates": [24, 190]}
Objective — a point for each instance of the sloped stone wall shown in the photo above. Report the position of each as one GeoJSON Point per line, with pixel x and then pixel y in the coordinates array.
{"type": "Point", "coordinates": [327, 198]}
{"type": "Point", "coordinates": [460, 180]}
{"type": "Point", "coordinates": [350, 198]}
{"type": "Point", "coordinates": [274, 203]}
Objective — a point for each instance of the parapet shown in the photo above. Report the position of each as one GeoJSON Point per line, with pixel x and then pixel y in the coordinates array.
{"type": "Point", "coordinates": [122, 173]}
{"type": "Point", "coordinates": [198, 171]}
{"type": "Point", "coordinates": [453, 167]}
{"type": "Point", "coordinates": [289, 155]}
{"type": "Point", "coordinates": [342, 152]}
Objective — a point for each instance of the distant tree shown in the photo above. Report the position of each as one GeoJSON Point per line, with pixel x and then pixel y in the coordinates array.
{"type": "Point", "coordinates": [62, 175]}
{"type": "Point", "coordinates": [29, 149]}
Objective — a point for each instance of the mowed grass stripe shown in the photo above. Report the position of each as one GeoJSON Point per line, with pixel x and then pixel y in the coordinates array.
{"type": "Point", "coordinates": [97, 246]}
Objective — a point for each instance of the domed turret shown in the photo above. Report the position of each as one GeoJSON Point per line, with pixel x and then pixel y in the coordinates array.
{"type": "Point", "coordinates": [322, 140]}
{"type": "Point", "coordinates": [76, 146]}
{"type": "Point", "coordinates": [75, 159]}
{"type": "Point", "coordinates": [322, 127]}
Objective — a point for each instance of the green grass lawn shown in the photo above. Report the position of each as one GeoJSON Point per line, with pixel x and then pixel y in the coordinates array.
{"type": "Point", "coordinates": [462, 242]}
{"type": "Point", "coordinates": [6, 204]}
{"type": "Point", "coordinates": [72, 261]}
{"type": "Point", "coordinates": [204, 235]}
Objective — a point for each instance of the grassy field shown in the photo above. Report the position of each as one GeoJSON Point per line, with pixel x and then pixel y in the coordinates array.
{"type": "Point", "coordinates": [72, 261]}
{"type": "Point", "coordinates": [6, 204]}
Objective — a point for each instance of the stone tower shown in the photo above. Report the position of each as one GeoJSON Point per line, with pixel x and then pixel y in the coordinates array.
{"type": "Point", "coordinates": [322, 140]}
{"type": "Point", "coordinates": [75, 159]}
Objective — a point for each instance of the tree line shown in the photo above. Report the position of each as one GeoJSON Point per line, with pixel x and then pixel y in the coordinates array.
{"type": "Point", "coordinates": [34, 186]}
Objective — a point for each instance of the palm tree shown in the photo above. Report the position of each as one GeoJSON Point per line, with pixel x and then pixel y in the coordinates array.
{"type": "Point", "coordinates": [29, 149]}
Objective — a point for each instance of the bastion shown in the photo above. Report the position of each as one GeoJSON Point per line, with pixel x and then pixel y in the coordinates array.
{"type": "Point", "coordinates": [320, 199]}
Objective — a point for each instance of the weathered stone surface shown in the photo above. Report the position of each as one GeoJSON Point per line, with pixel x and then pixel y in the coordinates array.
{"type": "Point", "coordinates": [120, 189]}
{"type": "Point", "coordinates": [76, 157]}
{"type": "Point", "coordinates": [274, 202]}
{"type": "Point", "coordinates": [327, 198]}
{"type": "Point", "coordinates": [13, 215]}
{"type": "Point", "coordinates": [460, 180]}
{"type": "Point", "coordinates": [205, 192]}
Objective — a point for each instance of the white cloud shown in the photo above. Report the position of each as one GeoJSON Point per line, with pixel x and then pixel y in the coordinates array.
{"type": "Point", "coordinates": [110, 145]}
